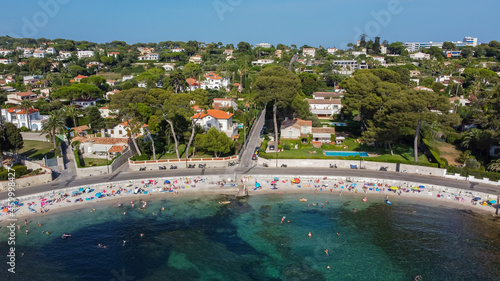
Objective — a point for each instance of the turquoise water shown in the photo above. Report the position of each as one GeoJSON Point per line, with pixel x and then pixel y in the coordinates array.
{"type": "Point", "coordinates": [200, 239]}
{"type": "Point", "coordinates": [345, 153]}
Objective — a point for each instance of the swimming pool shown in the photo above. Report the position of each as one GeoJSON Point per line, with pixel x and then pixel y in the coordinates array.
{"type": "Point", "coordinates": [345, 153]}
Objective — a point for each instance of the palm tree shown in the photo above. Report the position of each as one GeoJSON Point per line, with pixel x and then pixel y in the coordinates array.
{"type": "Point", "coordinates": [26, 105]}
{"type": "Point", "coordinates": [54, 124]}
{"type": "Point", "coordinates": [73, 112]}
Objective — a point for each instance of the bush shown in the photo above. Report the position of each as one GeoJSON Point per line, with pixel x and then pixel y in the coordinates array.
{"type": "Point", "coordinates": [24, 129]}
{"type": "Point", "coordinates": [286, 146]}
{"type": "Point", "coordinates": [453, 138]}
{"type": "Point", "coordinates": [465, 172]}
{"type": "Point", "coordinates": [472, 163]}
{"type": "Point", "coordinates": [77, 158]}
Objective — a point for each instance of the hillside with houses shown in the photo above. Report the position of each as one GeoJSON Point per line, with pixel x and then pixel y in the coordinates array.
{"type": "Point", "coordinates": [407, 102]}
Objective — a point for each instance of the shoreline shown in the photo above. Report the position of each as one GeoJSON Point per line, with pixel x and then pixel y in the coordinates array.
{"type": "Point", "coordinates": [214, 185]}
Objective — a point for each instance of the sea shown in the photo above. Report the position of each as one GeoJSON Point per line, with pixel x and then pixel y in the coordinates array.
{"type": "Point", "coordinates": [262, 237]}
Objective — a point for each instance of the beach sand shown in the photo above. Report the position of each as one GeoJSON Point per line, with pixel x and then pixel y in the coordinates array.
{"type": "Point", "coordinates": [309, 186]}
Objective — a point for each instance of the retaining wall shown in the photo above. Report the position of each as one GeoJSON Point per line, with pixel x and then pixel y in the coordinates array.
{"type": "Point", "coordinates": [182, 163]}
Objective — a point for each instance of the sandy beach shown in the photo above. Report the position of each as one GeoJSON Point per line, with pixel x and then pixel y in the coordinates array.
{"type": "Point", "coordinates": [156, 189]}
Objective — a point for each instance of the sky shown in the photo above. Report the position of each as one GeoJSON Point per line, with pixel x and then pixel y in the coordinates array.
{"type": "Point", "coordinates": [327, 23]}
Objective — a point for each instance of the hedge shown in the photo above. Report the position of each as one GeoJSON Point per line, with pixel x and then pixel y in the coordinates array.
{"type": "Point", "coordinates": [465, 172]}
{"type": "Point", "coordinates": [19, 172]}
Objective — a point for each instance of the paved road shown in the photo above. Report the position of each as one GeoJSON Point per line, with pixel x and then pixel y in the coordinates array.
{"type": "Point", "coordinates": [230, 171]}
{"type": "Point", "coordinates": [253, 141]}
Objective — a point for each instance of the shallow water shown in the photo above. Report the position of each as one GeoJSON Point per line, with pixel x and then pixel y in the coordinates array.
{"type": "Point", "coordinates": [197, 238]}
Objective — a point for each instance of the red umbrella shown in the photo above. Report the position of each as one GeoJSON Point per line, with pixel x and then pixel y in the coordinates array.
{"type": "Point", "coordinates": [297, 180]}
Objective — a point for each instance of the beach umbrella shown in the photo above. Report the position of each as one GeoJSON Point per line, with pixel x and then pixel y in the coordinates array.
{"type": "Point", "coordinates": [166, 182]}
{"type": "Point", "coordinates": [476, 198]}
{"type": "Point", "coordinates": [74, 192]}
{"type": "Point", "coordinates": [5, 210]}
{"type": "Point", "coordinates": [297, 180]}
{"type": "Point", "coordinates": [81, 189]}
{"type": "Point", "coordinates": [353, 184]}
{"type": "Point", "coordinates": [415, 188]}
{"type": "Point", "coordinates": [257, 184]}
{"type": "Point", "coordinates": [394, 188]}
{"type": "Point", "coordinates": [98, 195]}
{"type": "Point", "coordinates": [493, 201]}
{"type": "Point", "coordinates": [421, 186]}
{"type": "Point", "coordinates": [273, 182]}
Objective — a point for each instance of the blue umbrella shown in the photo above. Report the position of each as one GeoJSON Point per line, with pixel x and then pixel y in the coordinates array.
{"type": "Point", "coordinates": [166, 182]}
{"type": "Point", "coordinates": [75, 192]}
{"type": "Point", "coordinates": [493, 201]}
{"type": "Point", "coordinates": [421, 186]}
{"type": "Point", "coordinates": [353, 184]}
{"type": "Point", "coordinates": [81, 189]}
{"type": "Point", "coordinates": [98, 195]}
{"type": "Point", "coordinates": [257, 184]}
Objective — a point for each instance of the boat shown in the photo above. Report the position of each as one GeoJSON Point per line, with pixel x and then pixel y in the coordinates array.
{"type": "Point", "coordinates": [303, 200]}
{"type": "Point", "coordinates": [388, 202]}
{"type": "Point", "coordinates": [224, 202]}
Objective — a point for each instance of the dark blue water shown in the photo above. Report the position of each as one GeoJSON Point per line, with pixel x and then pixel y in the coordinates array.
{"type": "Point", "coordinates": [200, 239]}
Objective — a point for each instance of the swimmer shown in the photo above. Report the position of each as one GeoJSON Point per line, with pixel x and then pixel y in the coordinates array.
{"type": "Point", "coordinates": [27, 231]}
{"type": "Point", "coordinates": [47, 232]}
{"type": "Point", "coordinates": [338, 233]}
{"type": "Point", "coordinates": [119, 204]}
{"type": "Point", "coordinates": [326, 252]}
{"type": "Point", "coordinates": [124, 213]}
{"type": "Point", "coordinates": [39, 224]}
{"type": "Point", "coordinates": [18, 227]}
{"type": "Point", "coordinates": [327, 267]}
{"type": "Point", "coordinates": [163, 208]}
{"type": "Point", "coordinates": [25, 222]}
{"type": "Point", "coordinates": [309, 234]}
{"type": "Point", "coordinates": [142, 235]}
{"type": "Point", "coordinates": [355, 210]}
{"type": "Point", "coordinates": [124, 241]}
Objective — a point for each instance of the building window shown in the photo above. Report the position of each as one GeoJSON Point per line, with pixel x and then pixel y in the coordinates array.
{"type": "Point", "coordinates": [120, 132]}
{"type": "Point", "coordinates": [112, 132]}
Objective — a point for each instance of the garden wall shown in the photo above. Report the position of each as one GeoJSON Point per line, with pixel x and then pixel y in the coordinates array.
{"type": "Point", "coordinates": [181, 163]}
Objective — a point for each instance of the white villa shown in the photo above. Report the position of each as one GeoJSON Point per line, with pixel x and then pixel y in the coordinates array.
{"type": "Point", "coordinates": [261, 62]}
{"type": "Point", "coordinates": [108, 113]}
{"type": "Point", "coordinates": [150, 56]}
{"type": "Point", "coordinates": [221, 120]}
{"type": "Point", "coordinates": [420, 56]}
{"type": "Point", "coordinates": [17, 98]}
{"type": "Point", "coordinates": [85, 54]}
{"type": "Point", "coordinates": [325, 108]}
{"type": "Point", "coordinates": [296, 129]}
{"type": "Point", "coordinates": [17, 117]}
{"type": "Point", "coordinates": [84, 103]}
{"type": "Point", "coordinates": [224, 103]}
{"type": "Point", "coordinates": [214, 81]}
{"type": "Point", "coordinates": [122, 130]}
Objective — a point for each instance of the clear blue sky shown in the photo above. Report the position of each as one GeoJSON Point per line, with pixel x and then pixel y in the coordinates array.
{"type": "Point", "coordinates": [316, 22]}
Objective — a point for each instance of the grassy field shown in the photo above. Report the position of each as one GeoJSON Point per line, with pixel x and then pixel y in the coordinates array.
{"type": "Point", "coordinates": [37, 149]}
{"type": "Point", "coordinates": [449, 152]}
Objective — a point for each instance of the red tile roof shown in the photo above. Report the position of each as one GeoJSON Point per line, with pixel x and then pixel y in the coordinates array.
{"type": "Point", "coordinates": [25, 94]}
{"type": "Point", "coordinates": [80, 129]}
{"type": "Point", "coordinates": [192, 82]}
{"type": "Point", "coordinates": [215, 113]}
{"type": "Point", "coordinates": [116, 148]}
{"type": "Point", "coordinates": [296, 123]}
{"type": "Point", "coordinates": [81, 76]}
{"type": "Point", "coordinates": [212, 75]}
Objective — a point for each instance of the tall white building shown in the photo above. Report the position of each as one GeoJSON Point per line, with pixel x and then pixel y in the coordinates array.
{"type": "Point", "coordinates": [264, 45]}
{"type": "Point", "coordinates": [416, 46]}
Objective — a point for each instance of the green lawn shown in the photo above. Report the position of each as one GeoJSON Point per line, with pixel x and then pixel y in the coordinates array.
{"type": "Point", "coordinates": [37, 149]}
{"type": "Point", "coordinates": [89, 162]}
{"type": "Point", "coordinates": [402, 153]}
